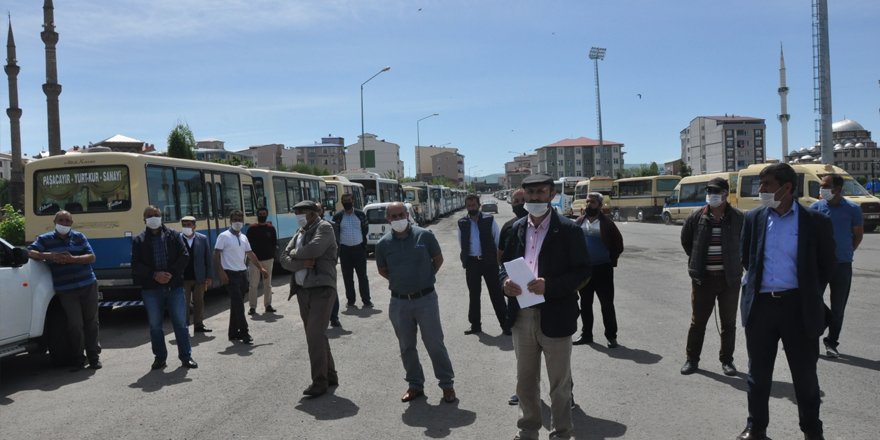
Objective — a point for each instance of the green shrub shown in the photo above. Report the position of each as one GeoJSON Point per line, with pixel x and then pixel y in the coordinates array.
{"type": "Point", "coordinates": [12, 225]}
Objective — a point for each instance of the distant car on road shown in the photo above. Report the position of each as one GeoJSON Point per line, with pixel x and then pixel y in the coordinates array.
{"type": "Point", "coordinates": [490, 206]}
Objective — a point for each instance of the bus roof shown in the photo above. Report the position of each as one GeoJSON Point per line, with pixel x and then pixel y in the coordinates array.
{"type": "Point", "coordinates": [633, 179]}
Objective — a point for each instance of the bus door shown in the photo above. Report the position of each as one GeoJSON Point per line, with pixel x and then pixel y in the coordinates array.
{"type": "Point", "coordinates": [216, 221]}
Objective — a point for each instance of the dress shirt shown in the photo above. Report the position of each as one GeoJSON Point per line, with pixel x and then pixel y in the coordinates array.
{"type": "Point", "coordinates": [535, 235]}
{"type": "Point", "coordinates": [780, 251]}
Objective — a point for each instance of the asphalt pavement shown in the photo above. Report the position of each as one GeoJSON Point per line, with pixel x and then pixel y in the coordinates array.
{"type": "Point", "coordinates": [634, 391]}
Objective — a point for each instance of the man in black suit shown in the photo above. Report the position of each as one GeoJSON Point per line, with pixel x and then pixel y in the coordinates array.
{"type": "Point", "coordinates": [554, 250]}
{"type": "Point", "coordinates": [788, 251]}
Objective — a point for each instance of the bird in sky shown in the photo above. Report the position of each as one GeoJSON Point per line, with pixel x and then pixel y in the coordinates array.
{"type": "Point", "coordinates": [639, 95]}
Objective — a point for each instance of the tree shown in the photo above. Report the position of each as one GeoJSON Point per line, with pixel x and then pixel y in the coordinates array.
{"type": "Point", "coordinates": [12, 225]}
{"type": "Point", "coordinates": [181, 142]}
{"type": "Point", "coordinates": [685, 171]}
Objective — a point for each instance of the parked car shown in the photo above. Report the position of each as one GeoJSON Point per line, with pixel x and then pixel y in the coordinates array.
{"type": "Point", "coordinates": [490, 206]}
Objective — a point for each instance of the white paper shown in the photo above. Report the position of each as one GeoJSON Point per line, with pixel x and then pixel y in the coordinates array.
{"type": "Point", "coordinates": [518, 272]}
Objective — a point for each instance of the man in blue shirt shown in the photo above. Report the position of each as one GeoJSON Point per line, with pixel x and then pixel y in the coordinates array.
{"type": "Point", "coordinates": [846, 219]}
{"type": "Point", "coordinates": [70, 258]}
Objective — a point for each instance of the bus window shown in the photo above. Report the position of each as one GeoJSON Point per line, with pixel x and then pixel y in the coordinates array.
{"type": "Point", "coordinates": [635, 188]}
{"type": "Point", "coordinates": [311, 190]}
{"type": "Point", "coordinates": [231, 193]}
{"type": "Point", "coordinates": [281, 203]}
{"type": "Point", "coordinates": [86, 189]}
{"type": "Point", "coordinates": [160, 190]}
{"type": "Point", "coordinates": [294, 193]}
{"type": "Point", "coordinates": [410, 196]}
{"type": "Point", "coordinates": [331, 193]}
{"type": "Point", "coordinates": [260, 192]}
{"type": "Point", "coordinates": [666, 185]}
{"type": "Point", "coordinates": [189, 189]}
{"type": "Point", "coordinates": [249, 200]}
{"type": "Point", "coordinates": [692, 192]}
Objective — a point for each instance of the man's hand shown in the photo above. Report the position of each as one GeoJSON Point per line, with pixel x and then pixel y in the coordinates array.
{"type": "Point", "coordinates": [162, 277]}
{"type": "Point", "coordinates": [511, 288]}
{"type": "Point", "coordinates": [536, 286]}
{"type": "Point", "coordinates": [264, 273]}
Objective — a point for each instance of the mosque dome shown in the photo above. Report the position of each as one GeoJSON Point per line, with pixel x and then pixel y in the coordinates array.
{"type": "Point", "coordinates": [837, 147]}
{"type": "Point", "coordinates": [846, 125]}
{"type": "Point", "coordinates": [807, 157]}
{"type": "Point", "coordinates": [849, 145]}
{"type": "Point", "coordinates": [860, 145]}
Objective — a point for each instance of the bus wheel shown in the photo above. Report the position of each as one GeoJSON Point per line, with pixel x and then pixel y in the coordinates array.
{"type": "Point", "coordinates": [667, 219]}
{"type": "Point", "coordinates": [640, 216]}
{"type": "Point", "coordinates": [615, 215]}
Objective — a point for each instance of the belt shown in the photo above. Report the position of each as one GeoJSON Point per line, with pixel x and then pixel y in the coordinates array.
{"type": "Point", "coordinates": [414, 295]}
{"type": "Point", "coordinates": [781, 293]}
{"type": "Point", "coordinates": [234, 271]}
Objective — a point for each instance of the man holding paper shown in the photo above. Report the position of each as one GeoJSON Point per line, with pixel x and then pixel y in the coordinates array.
{"type": "Point", "coordinates": [553, 256]}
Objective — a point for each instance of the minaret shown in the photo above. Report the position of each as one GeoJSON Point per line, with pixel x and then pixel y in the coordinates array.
{"type": "Point", "coordinates": [783, 102]}
{"type": "Point", "coordinates": [16, 181]}
{"type": "Point", "coordinates": [52, 89]}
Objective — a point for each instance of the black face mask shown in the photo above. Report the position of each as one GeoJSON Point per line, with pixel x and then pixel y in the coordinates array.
{"type": "Point", "coordinates": [592, 212]}
{"type": "Point", "coordinates": [346, 206]}
{"type": "Point", "coordinates": [520, 211]}
{"type": "Point", "coordinates": [261, 219]}
{"type": "Point", "coordinates": [473, 212]}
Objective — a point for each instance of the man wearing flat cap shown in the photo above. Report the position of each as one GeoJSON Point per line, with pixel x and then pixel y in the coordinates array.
{"type": "Point", "coordinates": [311, 256]}
{"type": "Point", "coordinates": [711, 239]}
{"type": "Point", "coordinates": [555, 252]}
{"type": "Point", "coordinates": [198, 273]}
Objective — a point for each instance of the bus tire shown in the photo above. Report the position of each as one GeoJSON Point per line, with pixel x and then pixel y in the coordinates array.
{"type": "Point", "coordinates": [640, 216]}
{"type": "Point", "coordinates": [667, 219]}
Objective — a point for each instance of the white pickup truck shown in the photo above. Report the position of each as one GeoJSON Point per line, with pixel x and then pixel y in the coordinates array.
{"type": "Point", "coordinates": [31, 320]}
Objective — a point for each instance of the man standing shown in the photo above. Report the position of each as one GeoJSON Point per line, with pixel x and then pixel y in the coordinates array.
{"type": "Point", "coordinates": [478, 236]}
{"type": "Point", "coordinates": [158, 260]}
{"type": "Point", "coordinates": [554, 250]}
{"type": "Point", "coordinates": [409, 257]}
{"type": "Point", "coordinates": [231, 251]}
{"type": "Point", "coordinates": [846, 219]}
{"type": "Point", "coordinates": [198, 273]}
{"type": "Point", "coordinates": [711, 239]}
{"type": "Point", "coordinates": [604, 244]}
{"type": "Point", "coordinates": [351, 234]}
{"type": "Point", "coordinates": [70, 258]}
{"type": "Point", "coordinates": [263, 239]}
{"type": "Point", "coordinates": [311, 256]}
{"type": "Point", "coordinates": [789, 254]}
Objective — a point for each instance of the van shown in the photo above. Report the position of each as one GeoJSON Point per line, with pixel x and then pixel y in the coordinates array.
{"type": "Point", "coordinates": [378, 225]}
{"type": "Point", "coordinates": [690, 195]}
{"type": "Point", "coordinates": [809, 177]}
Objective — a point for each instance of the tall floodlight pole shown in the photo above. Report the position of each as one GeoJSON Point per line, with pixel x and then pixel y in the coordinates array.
{"type": "Point", "coordinates": [363, 141]}
{"type": "Point", "coordinates": [596, 54]}
{"type": "Point", "coordinates": [418, 133]}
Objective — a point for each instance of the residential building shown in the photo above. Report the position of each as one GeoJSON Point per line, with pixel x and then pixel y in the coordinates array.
{"type": "Point", "coordinates": [449, 165]}
{"type": "Point", "coordinates": [212, 150]}
{"type": "Point", "coordinates": [270, 156]}
{"type": "Point", "coordinates": [580, 157]}
{"type": "Point", "coordinates": [5, 166]}
{"type": "Point", "coordinates": [722, 143]}
{"type": "Point", "coordinates": [329, 154]}
{"type": "Point", "coordinates": [519, 168]}
{"type": "Point", "coordinates": [380, 156]}
{"type": "Point", "coordinates": [424, 163]}
{"type": "Point", "coordinates": [673, 167]}
{"type": "Point", "coordinates": [854, 150]}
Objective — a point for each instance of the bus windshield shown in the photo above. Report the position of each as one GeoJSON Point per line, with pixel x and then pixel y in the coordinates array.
{"type": "Point", "coordinates": [82, 190]}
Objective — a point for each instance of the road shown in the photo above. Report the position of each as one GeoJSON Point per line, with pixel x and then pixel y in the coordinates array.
{"type": "Point", "coordinates": [632, 392]}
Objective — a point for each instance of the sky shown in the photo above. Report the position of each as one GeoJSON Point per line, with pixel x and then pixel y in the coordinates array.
{"type": "Point", "coordinates": [505, 76]}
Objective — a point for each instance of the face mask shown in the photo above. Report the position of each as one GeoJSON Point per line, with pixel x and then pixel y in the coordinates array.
{"type": "Point", "coordinates": [187, 231]}
{"type": "Point", "coordinates": [714, 200]}
{"type": "Point", "coordinates": [769, 200]}
{"type": "Point", "coordinates": [61, 229]}
{"type": "Point", "coordinates": [826, 193]}
{"type": "Point", "coordinates": [520, 211]}
{"type": "Point", "coordinates": [154, 222]}
{"type": "Point", "coordinates": [261, 219]}
{"type": "Point", "coordinates": [302, 220]}
{"type": "Point", "coordinates": [236, 226]}
{"type": "Point", "coordinates": [347, 206]}
{"type": "Point", "coordinates": [537, 209]}
{"type": "Point", "coordinates": [592, 212]}
{"type": "Point", "coordinates": [400, 225]}
{"type": "Point", "coordinates": [473, 212]}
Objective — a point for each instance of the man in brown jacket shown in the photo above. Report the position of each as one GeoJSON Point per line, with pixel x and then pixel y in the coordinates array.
{"type": "Point", "coordinates": [311, 256]}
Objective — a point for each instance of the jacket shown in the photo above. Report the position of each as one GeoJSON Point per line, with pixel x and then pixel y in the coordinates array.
{"type": "Point", "coordinates": [365, 226]}
{"type": "Point", "coordinates": [143, 267]}
{"type": "Point", "coordinates": [816, 261]}
{"type": "Point", "coordinates": [696, 234]}
{"type": "Point", "coordinates": [488, 250]}
{"type": "Point", "coordinates": [611, 236]}
{"type": "Point", "coordinates": [200, 257]}
{"type": "Point", "coordinates": [563, 262]}
{"type": "Point", "coordinates": [319, 243]}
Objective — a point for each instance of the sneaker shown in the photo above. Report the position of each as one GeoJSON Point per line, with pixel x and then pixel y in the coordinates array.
{"type": "Point", "coordinates": [831, 351]}
{"type": "Point", "coordinates": [252, 311]}
{"type": "Point", "coordinates": [270, 309]}
{"type": "Point", "coordinates": [95, 364]}
{"type": "Point", "coordinates": [728, 369]}
{"type": "Point", "coordinates": [335, 323]}
{"type": "Point", "coordinates": [368, 305]}
{"type": "Point", "coordinates": [612, 343]}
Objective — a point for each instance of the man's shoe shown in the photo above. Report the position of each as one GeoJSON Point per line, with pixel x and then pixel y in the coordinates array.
{"type": "Point", "coordinates": [270, 309]}
{"type": "Point", "coordinates": [473, 330]}
{"type": "Point", "coordinates": [202, 329]}
{"type": "Point", "coordinates": [189, 363]}
{"type": "Point", "coordinates": [368, 304]}
{"type": "Point", "coordinates": [350, 304]}
{"type": "Point", "coordinates": [612, 343]}
{"type": "Point", "coordinates": [234, 338]}
{"type": "Point", "coordinates": [252, 311]}
{"type": "Point", "coordinates": [752, 434]}
{"type": "Point", "coordinates": [411, 394]}
{"type": "Point", "coordinates": [728, 369]}
{"type": "Point", "coordinates": [335, 323]}
{"type": "Point", "coordinates": [690, 367]}
{"type": "Point", "coordinates": [95, 364]}
{"type": "Point", "coordinates": [831, 351]}
{"type": "Point", "coordinates": [506, 331]}
{"type": "Point", "coordinates": [158, 364]}
{"type": "Point", "coordinates": [583, 340]}
{"type": "Point", "coordinates": [333, 380]}
{"type": "Point", "coordinates": [314, 390]}
{"type": "Point", "coordinates": [514, 400]}
{"type": "Point", "coordinates": [449, 395]}
{"type": "Point", "coordinates": [813, 436]}
{"type": "Point", "coordinates": [247, 339]}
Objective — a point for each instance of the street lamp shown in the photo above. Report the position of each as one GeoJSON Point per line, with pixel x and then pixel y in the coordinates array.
{"type": "Point", "coordinates": [363, 144]}
{"type": "Point", "coordinates": [418, 134]}
{"type": "Point", "coordinates": [596, 54]}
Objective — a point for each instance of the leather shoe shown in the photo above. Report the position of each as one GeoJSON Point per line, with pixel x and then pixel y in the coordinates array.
{"type": "Point", "coordinates": [513, 401]}
{"type": "Point", "coordinates": [612, 343]}
{"type": "Point", "coordinates": [583, 340]}
{"type": "Point", "coordinates": [314, 390]}
{"type": "Point", "coordinates": [95, 364]}
{"type": "Point", "coordinates": [449, 395]}
{"type": "Point", "coordinates": [202, 329]}
{"type": "Point", "coordinates": [690, 367]}
{"type": "Point", "coordinates": [728, 369]}
{"type": "Point", "coordinates": [473, 330]}
{"type": "Point", "coordinates": [368, 304]}
{"type": "Point", "coordinates": [333, 379]}
{"type": "Point", "coordinates": [752, 434]}
{"type": "Point", "coordinates": [270, 309]}
{"type": "Point", "coordinates": [335, 323]}
{"type": "Point", "coordinates": [158, 363]}
{"type": "Point", "coordinates": [411, 394]}
{"type": "Point", "coordinates": [247, 339]}
{"type": "Point", "coordinates": [189, 363]}
{"type": "Point", "coordinates": [813, 436]}
{"type": "Point", "coordinates": [252, 311]}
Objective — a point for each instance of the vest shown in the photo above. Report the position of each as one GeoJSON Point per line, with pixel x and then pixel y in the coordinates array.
{"type": "Point", "coordinates": [487, 241]}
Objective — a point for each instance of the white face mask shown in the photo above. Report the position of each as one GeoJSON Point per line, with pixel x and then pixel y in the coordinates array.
{"type": "Point", "coordinates": [302, 220]}
{"type": "Point", "coordinates": [400, 225]}
{"type": "Point", "coordinates": [187, 231]}
{"type": "Point", "coordinates": [154, 222]}
{"type": "Point", "coordinates": [714, 200]}
{"type": "Point", "coordinates": [537, 209]}
{"type": "Point", "coordinates": [236, 226]}
{"type": "Point", "coordinates": [61, 229]}
{"type": "Point", "coordinates": [769, 200]}
{"type": "Point", "coordinates": [826, 193]}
